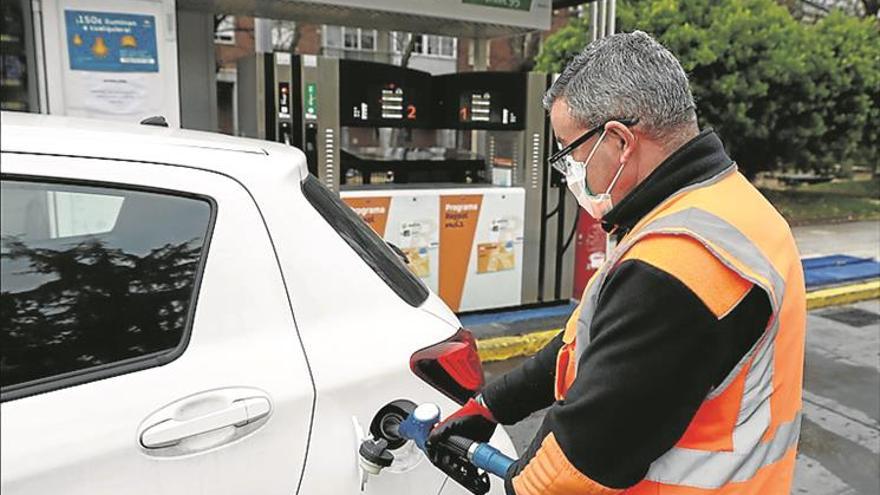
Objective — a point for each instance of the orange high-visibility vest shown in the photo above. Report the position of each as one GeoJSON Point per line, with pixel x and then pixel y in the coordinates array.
{"type": "Point", "coordinates": [743, 439]}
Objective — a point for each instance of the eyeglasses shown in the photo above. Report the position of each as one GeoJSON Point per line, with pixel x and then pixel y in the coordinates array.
{"type": "Point", "coordinates": [557, 159]}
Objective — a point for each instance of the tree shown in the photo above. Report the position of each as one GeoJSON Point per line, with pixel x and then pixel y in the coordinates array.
{"type": "Point", "coordinates": [779, 92]}
{"type": "Point", "coordinates": [524, 48]}
{"type": "Point", "coordinates": [811, 10]}
{"type": "Point", "coordinates": [560, 47]}
{"type": "Point", "coordinates": [850, 102]}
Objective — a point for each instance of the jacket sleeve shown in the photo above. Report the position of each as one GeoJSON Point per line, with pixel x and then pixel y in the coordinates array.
{"type": "Point", "coordinates": [525, 389]}
{"type": "Point", "coordinates": [656, 350]}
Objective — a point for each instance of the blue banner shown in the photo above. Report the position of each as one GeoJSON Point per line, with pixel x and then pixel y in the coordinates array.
{"type": "Point", "coordinates": [111, 42]}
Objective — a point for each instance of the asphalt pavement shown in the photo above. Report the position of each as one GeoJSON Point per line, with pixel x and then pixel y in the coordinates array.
{"type": "Point", "coordinates": [839, 450]}
{"type": "Point", "coordinates": [853, 238]}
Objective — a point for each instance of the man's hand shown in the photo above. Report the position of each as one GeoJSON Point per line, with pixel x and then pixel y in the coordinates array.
{"type": "Point", "coordinates": [473, 420]}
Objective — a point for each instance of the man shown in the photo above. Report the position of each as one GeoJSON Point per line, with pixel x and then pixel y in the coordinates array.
{"type": "Point", "coordinates": [680, 372]}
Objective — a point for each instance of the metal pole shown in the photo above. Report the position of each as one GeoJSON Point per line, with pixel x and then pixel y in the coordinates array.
{"type": "Point", "coordinates": [40, 57]}
{"type": "Point", "coordinates": [594, 21]}
{"type": "Point", "coordinates": [612, 15]}
{"type": "Point", "coordinates": [603, 14]}
{"type": "Point", "coordinates": [263, 35]}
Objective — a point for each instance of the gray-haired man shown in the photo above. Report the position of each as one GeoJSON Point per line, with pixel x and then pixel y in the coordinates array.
{"type": "Point", "coordinates": [681, 370]}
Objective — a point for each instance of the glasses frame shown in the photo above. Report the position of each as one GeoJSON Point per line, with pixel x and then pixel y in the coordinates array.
{"type": "Point", "coordinates": [559, 155]}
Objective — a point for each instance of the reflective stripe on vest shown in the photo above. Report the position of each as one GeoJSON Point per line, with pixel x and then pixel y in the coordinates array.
{"type": "Point", "coordinates": [710, 469]}
{"type": "Point", "coordinates": [754, 444]}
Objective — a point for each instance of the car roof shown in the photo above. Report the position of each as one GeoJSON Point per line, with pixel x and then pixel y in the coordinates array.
{"type": "Point", "coordinates": [243, 158]}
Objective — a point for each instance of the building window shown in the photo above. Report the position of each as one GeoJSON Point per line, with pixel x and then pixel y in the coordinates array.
{"type": "Point", "coordinates": [368, 39]}
{"type": "Point", "coordinates": [17, 82]}
{"type": "Point", "coordinates": [332, 36]}
{"type": "Point", "coordinates": [433, 45]}
{"type": "Point", "coordinates": [349, 38]}
{"type": "Point", "coordinates": [224, 33]}
{"type": "Point", "coordinates": [471, 51]}
{"type": "Point", "coordinates": [429, 45]}
{"type": "Point", "coordinates": [448, 47]}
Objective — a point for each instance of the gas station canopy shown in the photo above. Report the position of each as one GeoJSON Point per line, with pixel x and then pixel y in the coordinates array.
{"type": "Point", "coordinates": [482, 19]}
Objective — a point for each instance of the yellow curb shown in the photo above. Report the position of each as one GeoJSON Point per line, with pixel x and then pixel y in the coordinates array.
{"type": "Point", "coordinates": [501, 348]}
{"type": "Point", "coordinates": [847, 294]}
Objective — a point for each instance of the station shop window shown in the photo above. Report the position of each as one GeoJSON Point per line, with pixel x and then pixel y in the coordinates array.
{"type": "Point", "coordinates": [18, 88]}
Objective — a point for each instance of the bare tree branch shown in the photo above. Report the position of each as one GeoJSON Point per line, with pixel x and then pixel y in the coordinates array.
{"type": "Point", "coordinates": [816, 5]}
{"type": "Point", "coordinates": [408, 50]}
{"type": "Point", "coordinates": [218, 19]}
{"type": "Point", "coordinates": [530, 51]}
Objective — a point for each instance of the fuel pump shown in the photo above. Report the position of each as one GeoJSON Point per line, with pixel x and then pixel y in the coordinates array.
{"type": "Point", "coordinates": [590, 248]}
{"type": "Point", "coordinates": [450, 168]}
{"type": "Point", "coordinates": [278, 100]}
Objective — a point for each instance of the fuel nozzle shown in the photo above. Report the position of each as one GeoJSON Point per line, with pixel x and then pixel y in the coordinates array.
{"type": "Point", "coordinates": [419, 424]}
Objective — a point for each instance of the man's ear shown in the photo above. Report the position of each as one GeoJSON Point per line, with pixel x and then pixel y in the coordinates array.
{"type": "Point", "coordinates": [624, 138]}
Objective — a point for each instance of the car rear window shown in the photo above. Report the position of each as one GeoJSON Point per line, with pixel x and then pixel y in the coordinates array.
{"type": "Point", "coordinates": [365, 242]}
{"type": "Point", "coordinates": [93, 276]}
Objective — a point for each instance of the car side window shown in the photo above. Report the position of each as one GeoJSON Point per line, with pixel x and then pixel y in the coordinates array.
{"type": "Point", "coordinates": [92, 277]}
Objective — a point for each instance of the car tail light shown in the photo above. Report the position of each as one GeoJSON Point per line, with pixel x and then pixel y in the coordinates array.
{"type": "Point", "coordinates": [452, 366]}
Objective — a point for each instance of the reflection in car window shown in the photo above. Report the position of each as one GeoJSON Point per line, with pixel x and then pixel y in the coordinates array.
{"type": "Point", "coordinates": [93, 275]}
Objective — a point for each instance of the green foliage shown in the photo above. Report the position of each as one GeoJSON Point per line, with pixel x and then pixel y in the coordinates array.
{"type": "Point", "coordinates": [808, 206]}
{"type": "Point", "coordinates": [780, 93]}
{"type": "Point", "coordinates": [851, 103]}
{"type": "Point", "coordinates": [562, 46]}
{"type": "Point", "coordinates": [861, 188]}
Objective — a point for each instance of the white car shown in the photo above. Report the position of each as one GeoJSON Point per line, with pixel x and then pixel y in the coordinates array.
{"type": "Point", "coordinates": [184, 312]}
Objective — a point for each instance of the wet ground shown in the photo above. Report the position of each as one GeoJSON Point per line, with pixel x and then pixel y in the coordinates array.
{"type": "Point", "coordinates": [853, 238]}
{"type": "Point", "coordinates": [840, 437]}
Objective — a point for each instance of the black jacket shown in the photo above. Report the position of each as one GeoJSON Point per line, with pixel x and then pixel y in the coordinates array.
{"type": "Point", "coordinates": [655, 351]}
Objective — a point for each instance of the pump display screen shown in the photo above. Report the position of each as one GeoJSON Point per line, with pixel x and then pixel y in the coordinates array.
{"type": "Point", "coordinates": [476, 107]}
{"type": "Point", "coordinates": [380, 95]}
{"type": "Point", "coordinates": [481, 100]}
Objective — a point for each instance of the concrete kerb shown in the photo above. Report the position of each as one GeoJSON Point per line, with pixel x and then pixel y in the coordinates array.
{"type": "Point", "coordinates": [846, 294]}
{"type": "Point", "coordinates": [501, 348]}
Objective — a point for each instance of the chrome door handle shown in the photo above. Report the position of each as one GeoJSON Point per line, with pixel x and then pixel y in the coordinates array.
{"type": "Point", "coordinates": [170, 431]}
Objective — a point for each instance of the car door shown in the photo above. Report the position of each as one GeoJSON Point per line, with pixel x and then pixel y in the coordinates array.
{"type": "Point", "coordinates": [148, 345]}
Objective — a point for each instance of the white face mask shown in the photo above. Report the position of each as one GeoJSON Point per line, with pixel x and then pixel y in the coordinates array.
{"type": "Point", "coordinates": [597, 205]}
